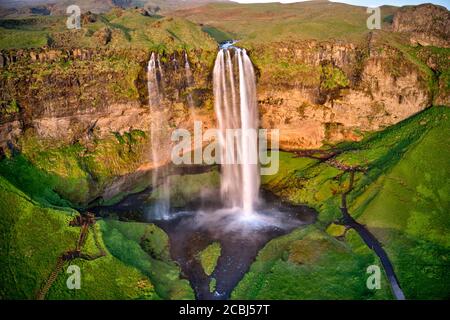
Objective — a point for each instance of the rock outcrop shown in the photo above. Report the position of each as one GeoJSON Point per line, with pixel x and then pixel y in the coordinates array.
{"type": "Point", "coordinates": [427, 24]}
{"type": "Point", "coordinates": [381, 88]}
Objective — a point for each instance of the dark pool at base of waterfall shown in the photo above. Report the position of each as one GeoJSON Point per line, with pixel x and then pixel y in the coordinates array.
{"type": "Point", "coordinates": [240, 235]}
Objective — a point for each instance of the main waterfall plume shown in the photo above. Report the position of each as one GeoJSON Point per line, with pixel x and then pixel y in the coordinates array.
{"type": "Point", "coordinates": [236, 110]}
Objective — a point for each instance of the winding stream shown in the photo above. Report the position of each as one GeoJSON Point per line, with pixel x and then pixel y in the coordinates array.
{"type": "Point", "coordinates": [372, 242]}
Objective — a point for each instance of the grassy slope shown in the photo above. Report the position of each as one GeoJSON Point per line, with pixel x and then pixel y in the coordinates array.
{"type": "Point", "coordinates": [402, 199]}
{"type": "Point", "coordinates": [46, 171]}
{"type": "Point", "coordinates": [34, 236]}
{"type": "Point", "coordinates": [410, 215]}
{"type": "Point", "coordinates": [124, 242]}
{"type": "Point", "coordinates": [277, 22]}
{"type": "Point", "coordinates": [26, 33]}
{"type": "Point", "coordinates": [129, 29]}
{"type": "Point", "coordinates": [309, 264]}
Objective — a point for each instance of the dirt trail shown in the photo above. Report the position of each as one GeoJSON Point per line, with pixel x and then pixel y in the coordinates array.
{"type": "Point", "coordinates": [86, 222]}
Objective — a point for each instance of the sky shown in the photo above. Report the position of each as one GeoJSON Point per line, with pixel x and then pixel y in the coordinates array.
{"type": "Point", "coordinates": [365, 3]}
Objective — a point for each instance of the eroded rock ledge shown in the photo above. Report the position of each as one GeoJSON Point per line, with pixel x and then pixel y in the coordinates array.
{"type": "Point", "coordinates": [314, 92]}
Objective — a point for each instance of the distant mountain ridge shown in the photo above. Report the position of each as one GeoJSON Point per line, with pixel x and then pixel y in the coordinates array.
{"type": "Point", "coordinates": [55, 7]}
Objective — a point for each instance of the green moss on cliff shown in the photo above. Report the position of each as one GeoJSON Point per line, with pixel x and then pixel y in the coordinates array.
{"type": "Point", "coordinates": [332, 78]}
{"type": "Point", "coordinates": [75, 173]}
{"type": "Point", "coordinates": [33, 236]}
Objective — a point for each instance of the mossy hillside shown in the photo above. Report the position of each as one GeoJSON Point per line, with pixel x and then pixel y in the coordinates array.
{"type": "Point", "coordinates": [127, 29]}
{"type": "Point", "coordinates": [218, 35]}
{"type": "Point", "coordinates": [130, 242]}
{"type": "Point", "coordinates": [74, 172]}
{"type": "Point", "coordinates": [270, 22]}
{"type": "Point", "coordinates": [37, 184]}
{"type": "Point", "coordinates": [408, 210]}
{"type": "Point", "coordinates": [398, 198]}
{"type": "Point", "coordinates": [33, 236]}
{"type": "Point", "coordinates": [318, 184]}
{"type": "Point", "coordinates": [282, 69]}
{"type": "Point", "coordinates": [309, 264]}
{"type": "Point", "coordinates": [209, 256]}
{"type": "Point", "coordinates": [29, 32]}
{"type": "Point", "coordinates": [306, 181]}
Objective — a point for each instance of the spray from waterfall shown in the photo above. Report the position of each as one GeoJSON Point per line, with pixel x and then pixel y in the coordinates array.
{"type": "Point", "coordinates": [236, 109]}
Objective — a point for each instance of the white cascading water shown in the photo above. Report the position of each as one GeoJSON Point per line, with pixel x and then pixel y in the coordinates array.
{"type": "Point", "coordinates": [189, 79]}
{"type": "Point", "coordinates": [239, 180]}
{"type": "Point", "coordinates": [159, 138]}
{"type": "Point", "coordinates": [152, 82]}
{"type": "Point", "coordinates": [237, 115]}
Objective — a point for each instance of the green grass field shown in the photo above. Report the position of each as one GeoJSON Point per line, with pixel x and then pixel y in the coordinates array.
{"type": "Point", "coordinates": [263, 23]}
{"type": "Point", "coordinates": [401, 199]}
{"type": "Point", "coordinates": [129, 29]}
{"type": "Point", "coordinates": [33, 236]}
{"type": "Point", "coordinates": [309, 264]}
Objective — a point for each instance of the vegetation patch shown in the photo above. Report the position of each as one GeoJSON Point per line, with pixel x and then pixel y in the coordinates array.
{"type": "Point", "coordinates": [33, 236]}
{"type": "Point", "coordinates": [309, 264]}
{"type": "Point", "coordinates": [400, 198]}
{"type": "Point", "coordinates": [209, 256]}
{"type": "Point", "coordinates": [132, 242]}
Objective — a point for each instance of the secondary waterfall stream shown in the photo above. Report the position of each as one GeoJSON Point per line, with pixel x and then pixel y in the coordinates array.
{"type": "Point", "coordinates": [159, 137]}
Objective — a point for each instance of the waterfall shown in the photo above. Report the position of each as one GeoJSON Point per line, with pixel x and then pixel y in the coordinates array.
{"type": "Point", "coordinates": [238, 123]}
{"type": "Point", "coordinates": [152, 82]}
{"type": "Point", "coordinates": [161, 75]}
{"type": "Point", "coordinates": [189, 80]}
{"type": "Point", "coordinates": [159, 139]}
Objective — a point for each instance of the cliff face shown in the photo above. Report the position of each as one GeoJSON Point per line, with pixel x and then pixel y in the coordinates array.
{"type": "Point", "coordinates": [89, 108]}
{"type": "Point", "coordinates": [338, 91]}
{"type": "Point", "coordinates": [426, 24]}
{"type": "Point", "coordinates": [97, 100]}
{"type": "Point", "coordinates": [68, 95]}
